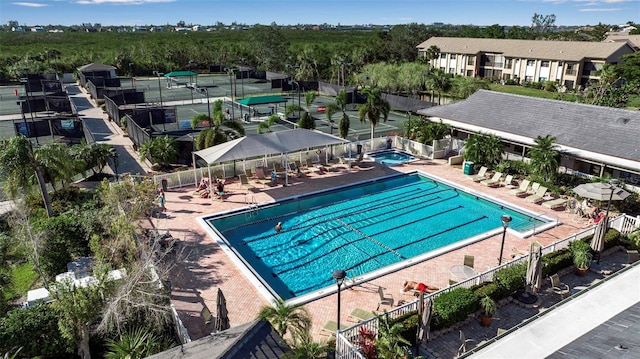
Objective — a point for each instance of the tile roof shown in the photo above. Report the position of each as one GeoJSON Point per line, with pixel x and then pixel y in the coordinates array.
{"type": "Point", "coordinates": [605, 130]}
{"type": "Point", "coordinates": [531, 49]}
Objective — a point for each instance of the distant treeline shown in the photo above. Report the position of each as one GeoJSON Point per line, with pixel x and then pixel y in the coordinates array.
{"type": "Point", "coordinates": [305, 54]}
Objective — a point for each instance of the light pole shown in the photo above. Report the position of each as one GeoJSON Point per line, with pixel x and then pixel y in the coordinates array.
{"type": "Point", "coordinates": [231, 72]}
{"type": "Point", "coordinates": [614, 184]}
{"type": "Point", "coordinates": [191, 80]}
{"type": "Point", "coordinates": [242, 70]}
{"type": "Point", "coordinates": [206, 90]}
{"type": "Point", "coordinates": [505, 223]}
{"type": "Point", "coordinates": [159, 74]}
{"type": "Point", "coordinates": [339, 275]}
{"type": "Point", "coordinates": [131, 74]}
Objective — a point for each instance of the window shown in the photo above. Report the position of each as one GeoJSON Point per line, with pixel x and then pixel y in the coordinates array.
{"type": "Point", "coordinates": [507, 63]}
{"type": "Point", "coordinates": [452, 70]}
{"type": "Point", "coordinates": [471, 60]}
{"type": "Point", "coordinates": [544, 64]}
{"type": "Point", "coordinates": [453, 56]}
{"type": "Point", "coordinates": [570, 69]}
{"type": "Point", "coordinates": [443, 56]}
{"type": "Point", "coordinates": [531, 62]}
{"type": "Point", "coordinates": [517, 149]}
{"type": "Point", "coordinates": [469, 73]}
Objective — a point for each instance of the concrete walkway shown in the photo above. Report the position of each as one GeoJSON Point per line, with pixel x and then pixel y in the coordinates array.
{"type": "Point", "coordinates": [108, 132]}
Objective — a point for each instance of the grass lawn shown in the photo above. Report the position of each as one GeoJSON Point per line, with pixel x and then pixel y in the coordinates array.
{"type": "Point", "coordinates": [526, 91]}
{"type": "Point", "coordinates": [23, 276]}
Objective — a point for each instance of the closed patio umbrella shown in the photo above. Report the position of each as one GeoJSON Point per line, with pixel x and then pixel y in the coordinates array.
{"type": "Point", "coordinates": [222, 314]}
{"type": "Point", "coordinates": [424, 326]}
{"type": "Point", "coordinates": [534, 269]}
{"type": "Point", "coordinates": [597, 242]}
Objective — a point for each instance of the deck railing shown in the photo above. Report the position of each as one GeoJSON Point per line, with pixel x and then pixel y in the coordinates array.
{"type": "Point", "coordinates": [346, 340]}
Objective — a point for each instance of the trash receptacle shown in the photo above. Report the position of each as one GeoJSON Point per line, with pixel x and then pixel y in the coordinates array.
{"type": "Point", "coordinates": [468, 168]}
{"type": "Point", "coordinates": [164, 184]}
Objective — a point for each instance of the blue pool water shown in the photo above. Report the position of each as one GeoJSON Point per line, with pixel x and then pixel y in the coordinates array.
{"type": "Point", "coordinates": [391, 157]}
{"type": "Point", "coordinates": [359, 228]}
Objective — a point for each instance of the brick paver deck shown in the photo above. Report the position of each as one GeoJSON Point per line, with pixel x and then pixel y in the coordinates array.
{"type": "Point", "coordinates": [208, 268]}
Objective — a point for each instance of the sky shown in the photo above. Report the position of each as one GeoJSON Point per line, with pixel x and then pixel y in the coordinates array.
{"type": "Point", "coordinates": [291, 12]}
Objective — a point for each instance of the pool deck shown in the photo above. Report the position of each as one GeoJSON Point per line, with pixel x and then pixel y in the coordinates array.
{"type": "Point", "coordinates": [206, 267]}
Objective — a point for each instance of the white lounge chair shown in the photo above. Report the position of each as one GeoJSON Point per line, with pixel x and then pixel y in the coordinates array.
{"type": "Point", "coordinates": [494, 181]}
{"type": "Point", "coordinates": [481, 176]}
{"type": "Point", "coordinates": [522, 189]}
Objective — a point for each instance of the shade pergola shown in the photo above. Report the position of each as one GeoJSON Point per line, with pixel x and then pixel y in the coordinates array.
{"type": "Point", "coordinates": [180, 74]}
{"type": "Point", "coordinates": [281, 142]}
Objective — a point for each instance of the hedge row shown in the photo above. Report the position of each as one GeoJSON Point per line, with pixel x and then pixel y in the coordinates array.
{"type": "Point", "coordinates": [455, 306]}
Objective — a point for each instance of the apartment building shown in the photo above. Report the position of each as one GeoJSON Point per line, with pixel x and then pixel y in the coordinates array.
{"type": "Point", "coordinates": [569, 63]}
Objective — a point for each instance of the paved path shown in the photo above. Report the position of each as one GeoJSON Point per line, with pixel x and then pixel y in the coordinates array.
{"type": "Point", "coordinates": [105, 131]}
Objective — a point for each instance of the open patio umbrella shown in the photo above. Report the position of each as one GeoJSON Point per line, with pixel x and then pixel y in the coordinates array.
{"type": "Point", "coordinates": [600, 191]}
{"type": "Point", "coordinates": [222, 314]}
{"type": "Point", "coordinates": [597, 242]}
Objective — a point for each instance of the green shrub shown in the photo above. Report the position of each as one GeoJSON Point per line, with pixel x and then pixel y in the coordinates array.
{"type": "Point", "coordinates": [409, 322]}
{"type": "Point", "coordinates": [553, 262]}
{"type": "Point", "coordinates": [511, 279]}
{"type": "Point", "coordinates": [491, 289]}
{"type": "Point", "coordinates": [453, 307]}
{"type": "Point", "coordinates": [612, 238]}
{"type": "Point", "coordinates": [513, 167]}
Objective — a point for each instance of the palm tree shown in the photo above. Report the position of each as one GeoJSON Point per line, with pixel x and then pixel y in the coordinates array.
{"type": "Point", "coordinates": [57, 163]}
{"type": "Point", "coordinates": [307, 349]}
{"type": "Point", "coordinates": [439, 81]}
{"type": "Point", "coordinates": [287, 318]}
{"type": "Point", "coordinates": [330, 110]}
{"type": "Point", "coordinates": [219, 127]}
{"type": "Point", "coordinates": [134, 344]}
{"type": "Point", "coordinates": [343, 124]}
{"type": "Point", "coordinates": [307, 121]}
{"type": "Point", "coordinates": [375, 107]}
{"type": "Point", "coordinates": [266, 125]}
{"type": "Point", "coordinates": [390, 341]}
{"type": "Point", "coordinates": [18, 164]}
{"type": "Point", "coordinates": [483, 149]}
{"type": "Point", "coordinates": [162, 150]}
{"type": "Point", "coordinates": [544, 158]}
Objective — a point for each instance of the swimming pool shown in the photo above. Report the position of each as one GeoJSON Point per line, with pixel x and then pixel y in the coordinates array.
{"type": "Point", "coordinates": [391, 157]}
{"type": "Point", "coordinates": [366, 229]}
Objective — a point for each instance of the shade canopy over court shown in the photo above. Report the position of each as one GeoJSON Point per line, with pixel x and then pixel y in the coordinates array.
{"type": "Point", "coordinates": [180, 74]}
{"type": "Point", "coordinates": [267, 144]}
{"type": "Point", "coordinates": [261, 100]}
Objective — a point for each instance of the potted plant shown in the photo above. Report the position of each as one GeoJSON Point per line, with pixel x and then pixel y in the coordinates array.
{"type": "Point", "coordinates": [581, 256]}
{"type": "Point", "coordinates": [488, 308]}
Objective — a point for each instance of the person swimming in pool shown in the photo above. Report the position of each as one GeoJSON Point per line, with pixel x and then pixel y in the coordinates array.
{"type": "Point", "coordinates": [279, 227]}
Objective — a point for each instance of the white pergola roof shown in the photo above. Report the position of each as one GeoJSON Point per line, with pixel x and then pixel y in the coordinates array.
{"type": "Point", "coordinates": [267, 144]}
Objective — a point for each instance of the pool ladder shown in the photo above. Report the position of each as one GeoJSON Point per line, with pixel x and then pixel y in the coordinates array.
{"type": "Point", "coordinates": [253, 206]}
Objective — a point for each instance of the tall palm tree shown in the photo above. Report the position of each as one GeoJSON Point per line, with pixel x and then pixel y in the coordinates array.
{"type": "Point", "coordinates": [545, 158]}
{"type": "Point", "coordinates": [373, 108]}
{"type": "Point", "coordinates": [20, 164]}
{"type": "Point", "coordinates": [293, 319]}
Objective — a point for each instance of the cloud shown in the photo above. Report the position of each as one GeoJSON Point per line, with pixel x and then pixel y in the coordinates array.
{"type": "Point", "coordinates": [600, 10]}
{"type": "Point", "coordinates": [120, 2]}
{"type": "Point", "coordinates": [28, 4]}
